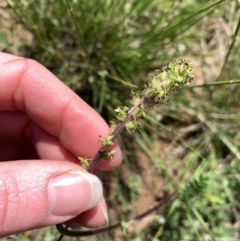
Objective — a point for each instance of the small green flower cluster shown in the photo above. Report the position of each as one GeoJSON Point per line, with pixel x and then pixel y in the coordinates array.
{"type": "Point", "coordinates": [169, 78]}
{"type": "Point", "coordinates": [122, 114]}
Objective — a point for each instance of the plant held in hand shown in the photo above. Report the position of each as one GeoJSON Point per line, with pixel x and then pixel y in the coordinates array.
{"type": "Point", "coordinates": [165, 81]}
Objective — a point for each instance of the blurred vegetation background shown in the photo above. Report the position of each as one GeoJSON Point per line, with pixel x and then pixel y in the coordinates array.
{"type": "Point", "coordinates": [103, 49]}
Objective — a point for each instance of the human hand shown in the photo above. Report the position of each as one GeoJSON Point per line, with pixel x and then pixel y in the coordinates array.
{"type": "Point", "coordinates": [44, 126]}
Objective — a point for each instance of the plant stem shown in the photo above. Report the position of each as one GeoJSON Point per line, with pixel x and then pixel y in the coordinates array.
{"type": "Point", "coordinates": [119, 128]}
{"type": "Point", "coordinates": [226, 82]}
{"type": "Point", "coordinates": [75, 233]}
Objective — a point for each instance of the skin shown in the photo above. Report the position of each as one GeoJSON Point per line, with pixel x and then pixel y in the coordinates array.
{"type": "Point", "coordinates": [44, 126]}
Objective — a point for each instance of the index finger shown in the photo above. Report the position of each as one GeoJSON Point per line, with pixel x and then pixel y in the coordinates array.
{"type": "Point", "coordinates": [29, 87]}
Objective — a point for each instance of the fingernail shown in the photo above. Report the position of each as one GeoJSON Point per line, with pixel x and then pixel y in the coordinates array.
{"type": "Point", "coordinates": [74, 192]}
{"type": "Point", "coordinates": [104, 212]}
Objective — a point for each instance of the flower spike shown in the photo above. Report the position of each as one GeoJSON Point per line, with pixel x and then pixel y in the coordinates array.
{"type": "Point", "coordinates": [165, 81]}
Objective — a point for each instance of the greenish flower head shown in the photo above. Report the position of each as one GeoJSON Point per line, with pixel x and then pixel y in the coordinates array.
{"type": "Point", "coordinates": [122, 112]}
{"type": "Point", "coordinates": [169, 78]}
{"type": "Point", "coordinates": [84, 162]}
{"type": "Point", "coordinates": [109, 154]}
{"type": "Point", "coordinates": [106, 141]}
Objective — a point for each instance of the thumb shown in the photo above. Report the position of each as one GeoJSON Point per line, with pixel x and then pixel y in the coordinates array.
{"type": "Point", "coordinates": [39, 193]}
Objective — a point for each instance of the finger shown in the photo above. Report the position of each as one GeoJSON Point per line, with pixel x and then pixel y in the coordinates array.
{"type": "Point", "coordinates": [39, 193]}
{"type": "Point", "coordinates": [93, 218]}
{"type": "Point", "coordinates": [32, 89]}
{"type": "Point", "coordinates": [20, 143]}
{"type": "Point", "coordinates": [16, 126]}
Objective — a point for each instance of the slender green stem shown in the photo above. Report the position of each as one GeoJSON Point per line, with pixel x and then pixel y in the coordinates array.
{"type": "Point", "coordinates": [227, 82]}
{"type": "Point", "coordinates": [235, 36]}
{"type": "Point", "coordinates": [76, 22]}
